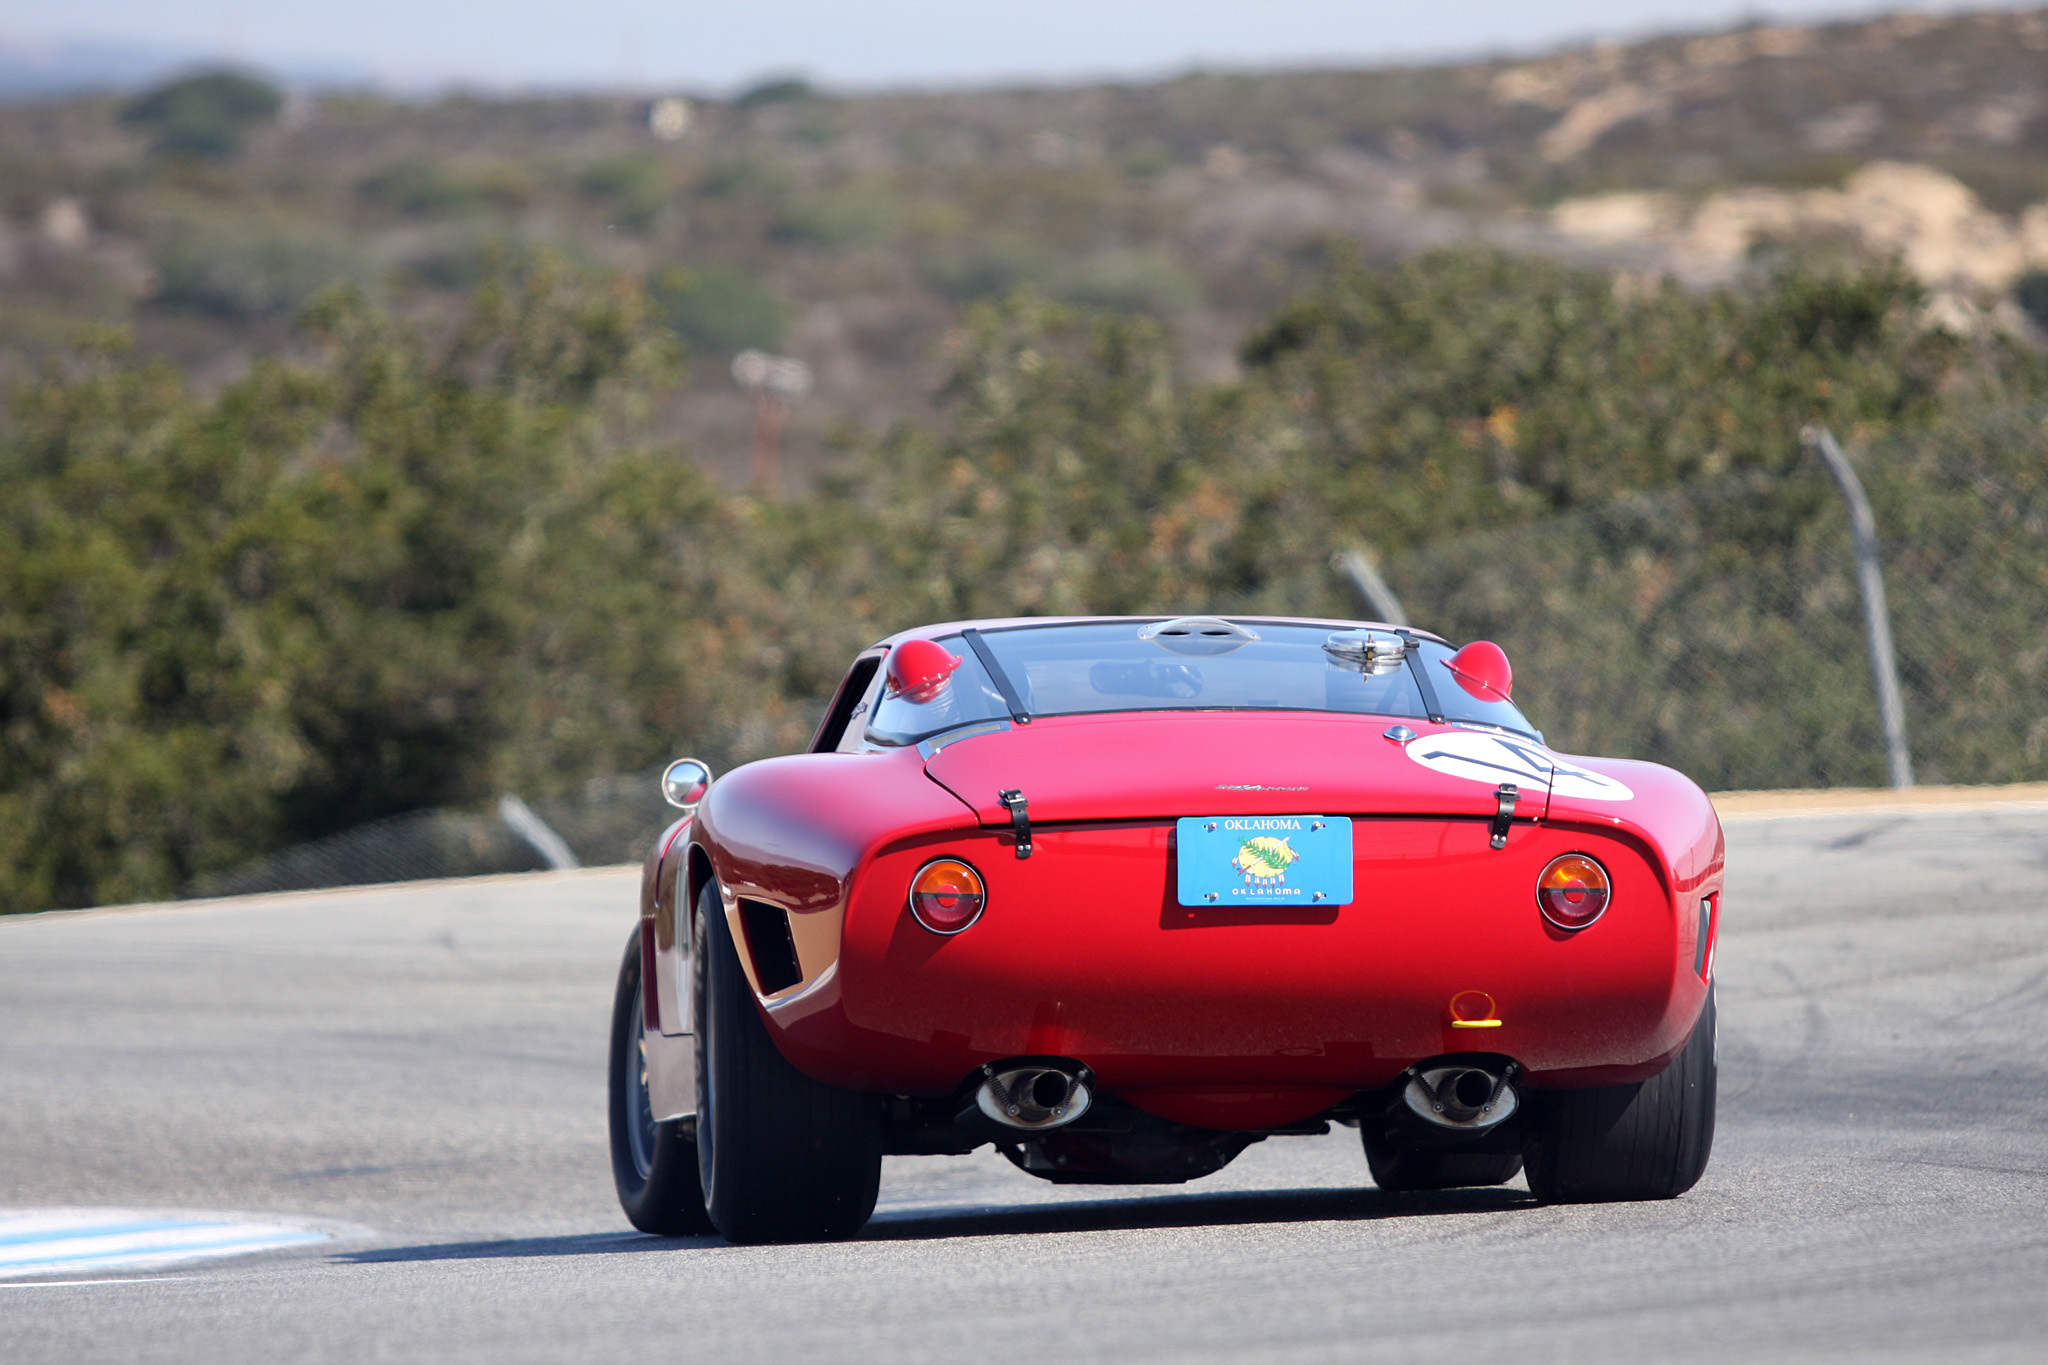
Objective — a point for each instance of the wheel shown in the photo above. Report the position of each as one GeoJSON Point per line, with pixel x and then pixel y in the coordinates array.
{"type": "Point", "coordinates": [654, 1165]}
{"type": "Point", "coordinates": [1398, 1172]}
{"type": "Point", "coordinates": [783, 1158]}
{"type": "Point", "coordinates": [1649, 1140]}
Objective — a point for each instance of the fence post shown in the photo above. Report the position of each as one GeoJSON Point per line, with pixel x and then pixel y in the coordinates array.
{"type": "Point", "coordinates": [1358, 567]}
{"type": "Point", "coordinates": [1877, 625]}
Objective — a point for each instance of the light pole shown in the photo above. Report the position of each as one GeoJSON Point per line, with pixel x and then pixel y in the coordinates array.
{"type": "Point", "coordinates": [776, 382]}
{"type": "Point", "coordinates": [1891, 708]}
{"type": "Point", "coordinates": [1357, 565]}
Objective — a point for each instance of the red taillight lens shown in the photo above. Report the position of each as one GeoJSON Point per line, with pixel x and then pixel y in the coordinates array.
{"type": "Point", "coordinates": [1573, 891]}
{"type": "Point", "coordinates": [947, 896]}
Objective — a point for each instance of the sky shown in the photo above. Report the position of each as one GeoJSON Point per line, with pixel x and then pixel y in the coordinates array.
{"type": "Point", "coordinates": [691, 45]}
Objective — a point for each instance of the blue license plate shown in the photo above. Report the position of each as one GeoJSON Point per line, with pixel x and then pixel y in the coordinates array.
{"type": "Point", "coordinates": [1263, 860]}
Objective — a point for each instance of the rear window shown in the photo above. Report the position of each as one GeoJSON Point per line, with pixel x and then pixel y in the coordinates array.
{"type": "Point", "coordinates": [1095, 667]}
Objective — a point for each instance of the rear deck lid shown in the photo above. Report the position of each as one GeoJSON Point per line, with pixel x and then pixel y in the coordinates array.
{"type": "Point", "coordinates": [1165, 765]}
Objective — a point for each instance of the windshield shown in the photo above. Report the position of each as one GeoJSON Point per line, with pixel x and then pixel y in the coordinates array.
{"type": "Point", "coordinates": [1108, 666]}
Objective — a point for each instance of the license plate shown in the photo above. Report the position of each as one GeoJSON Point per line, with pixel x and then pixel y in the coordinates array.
{"type": "Point", "coordinates": [1263, 860]}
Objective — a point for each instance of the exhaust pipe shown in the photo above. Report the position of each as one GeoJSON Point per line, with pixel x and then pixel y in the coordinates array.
{"type": "Point", "coordinates": [1034, 1096]}
{"type": "Point", "coordinates": [1462, 1096]}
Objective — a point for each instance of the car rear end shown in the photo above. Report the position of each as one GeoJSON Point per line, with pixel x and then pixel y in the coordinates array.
{"type": "Point", "coordinates": [1568, 941]}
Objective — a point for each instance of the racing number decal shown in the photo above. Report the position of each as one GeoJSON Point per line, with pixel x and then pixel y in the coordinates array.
{"type": "Point", "coordinates": [1494, 759]}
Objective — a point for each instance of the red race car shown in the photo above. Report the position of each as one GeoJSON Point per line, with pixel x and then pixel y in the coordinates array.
{"type": "Point", "coordinates": [1123, 896]}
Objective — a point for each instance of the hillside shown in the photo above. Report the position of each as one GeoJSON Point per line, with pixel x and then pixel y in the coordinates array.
{"type": "Point", "coordinates": [348, 464]}
{"type": "Point", "coordinates": [850, 231]}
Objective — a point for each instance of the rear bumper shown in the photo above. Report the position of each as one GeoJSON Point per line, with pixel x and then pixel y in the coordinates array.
{"type": "Point", "coordinates": [1084, 952]}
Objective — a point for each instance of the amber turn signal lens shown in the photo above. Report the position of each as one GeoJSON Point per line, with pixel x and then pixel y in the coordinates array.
{"type": "Point", "coordinates": [946, 896]}
{"type": "Point", "coordinates": [1573, 891]}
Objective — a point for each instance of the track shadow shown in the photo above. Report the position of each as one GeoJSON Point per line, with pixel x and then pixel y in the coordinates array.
{"type": "Point", "coordinates": [1240, 1208]}
{"type": "Point", "coordinates": [581, 1244]}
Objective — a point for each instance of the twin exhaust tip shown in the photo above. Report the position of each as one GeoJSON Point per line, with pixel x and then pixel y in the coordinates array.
{"type": "Point", "coordinates": [1464, 1097]}
{"type": "Point", "coordinates": [1034, 1096]}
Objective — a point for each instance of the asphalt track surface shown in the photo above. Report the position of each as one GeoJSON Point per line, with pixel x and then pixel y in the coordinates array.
{"type": "Point", "coordinates": [425, 1065]}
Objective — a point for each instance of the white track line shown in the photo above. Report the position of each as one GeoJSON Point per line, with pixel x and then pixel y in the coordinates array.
{"type": "Point", "coordinates": [40, 1243]}
{"type": "Point", "coordinates": [74, 1284]}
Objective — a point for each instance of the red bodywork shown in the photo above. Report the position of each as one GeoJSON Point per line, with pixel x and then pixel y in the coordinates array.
{"type": "Point", "coordinates": [1236, 1017]}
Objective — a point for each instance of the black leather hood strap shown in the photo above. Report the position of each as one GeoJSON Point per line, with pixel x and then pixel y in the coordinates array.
{"type": "Point", "coordinates": [1020, 819]}
{"type": "Point", "coordinates": [1507, 794]}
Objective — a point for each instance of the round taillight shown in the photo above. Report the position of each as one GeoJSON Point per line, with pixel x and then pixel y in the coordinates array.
{"type": "Point", "coordinates": [946, 896]}
{"type": "Point", "coordinates": [1573, 891]}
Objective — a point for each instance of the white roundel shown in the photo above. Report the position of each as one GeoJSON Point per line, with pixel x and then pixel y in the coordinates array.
{"type": "Point", "coordinates": [1494, 759]}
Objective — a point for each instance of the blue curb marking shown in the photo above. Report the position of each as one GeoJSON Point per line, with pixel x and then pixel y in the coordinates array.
{"type": "Point", "coordinates": [71, 1240]}
{"type": "Point", "coordinates": [98, 1230]}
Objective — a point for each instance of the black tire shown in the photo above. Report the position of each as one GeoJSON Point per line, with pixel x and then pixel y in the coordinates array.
{"type": "Point", "coordinates": [783, 1158]}
{"type": "Point", "coordinates": [1399, 1172]}
{"type": "Point", "coordinates": [654, 1165]}
{"type": "Point", "coordinates": [1650, 1140]}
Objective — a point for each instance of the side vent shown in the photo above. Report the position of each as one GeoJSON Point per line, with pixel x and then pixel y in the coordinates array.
{"type": "Point", "coordinates": [1699, 952]}
{"type": "Point", "coordinates": [770, 946]}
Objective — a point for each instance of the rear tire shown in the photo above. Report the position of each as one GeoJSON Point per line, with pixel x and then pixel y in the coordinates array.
{"type": "Point", "coordinates": [1650, 1140]}
{"type": "Point", "coordinates": [1399, 1172]}
{"type": "Point", "coordinates": [783, 1158]}
{"type": "Point", "coordinates": [654, 1165]}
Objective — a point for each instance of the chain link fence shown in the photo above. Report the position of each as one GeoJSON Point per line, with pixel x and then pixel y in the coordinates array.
{"type": "Point", "coordinates": [1715, 628]}
{"type": "Point", "coordinates": [1718, 629]}
{"type": "Point", "coordinates": [608, 820]}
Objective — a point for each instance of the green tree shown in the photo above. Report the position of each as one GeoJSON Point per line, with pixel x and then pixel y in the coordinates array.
{"type": "Point", "coordinates": [315, 599]}
{"type": "Point", "coordinates": [205, 114]}
{"type": "Point", "coordinates": [417, 567]}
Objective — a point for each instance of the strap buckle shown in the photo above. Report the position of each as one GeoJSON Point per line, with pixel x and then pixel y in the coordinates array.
{"type": "Point", "coordinates": [1020, 821]}
{"type": "Point", "coordinates": [1507, 794]}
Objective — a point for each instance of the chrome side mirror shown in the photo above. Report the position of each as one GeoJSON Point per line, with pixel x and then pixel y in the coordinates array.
{"type": "Point", "coordinates": [684, 783]}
